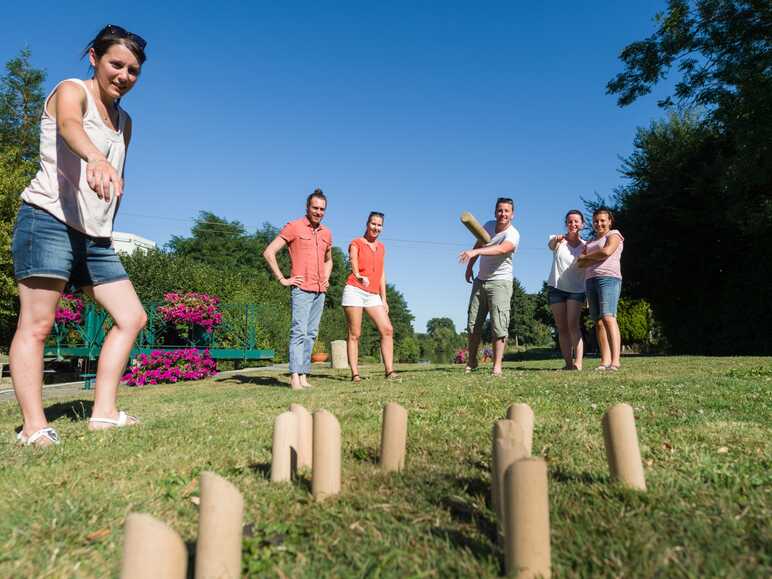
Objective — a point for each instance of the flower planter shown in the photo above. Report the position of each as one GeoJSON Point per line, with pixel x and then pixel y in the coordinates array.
{"type": "Point", "coordinates": [320, 357]}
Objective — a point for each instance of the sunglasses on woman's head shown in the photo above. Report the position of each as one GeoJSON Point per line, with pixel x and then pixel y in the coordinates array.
{"type": "Point", "coordinates": [121, 32]}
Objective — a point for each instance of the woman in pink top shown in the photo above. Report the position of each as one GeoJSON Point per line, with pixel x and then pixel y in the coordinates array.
{"type": "Point", "coordinates": [366, 290]}
{"type": "Point", "coordinates": [603, 283]}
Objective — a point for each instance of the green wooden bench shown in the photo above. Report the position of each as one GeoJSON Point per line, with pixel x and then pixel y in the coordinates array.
{"type": "Point", "coordinates": [235, 339]}
{"type": "Point", "coordinates": [88, 381]}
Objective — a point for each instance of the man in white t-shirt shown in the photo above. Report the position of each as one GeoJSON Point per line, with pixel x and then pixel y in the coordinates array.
{"type": "Point", "coordinates": [492, 288]}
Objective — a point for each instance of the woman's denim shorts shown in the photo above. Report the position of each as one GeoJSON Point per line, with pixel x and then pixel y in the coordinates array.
{"type": "Point", "coordinates": [603, 296]}
{"type": "Point", "coordinates": [558, 296]}
{"type": "Point", "coordinates": [43, 246]}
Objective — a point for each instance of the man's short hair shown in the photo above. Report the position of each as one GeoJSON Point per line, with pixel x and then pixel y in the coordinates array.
{"type": "Point", "coordinates": [505, 200]}
{"type": "Point", "coordinates": [319, 194]}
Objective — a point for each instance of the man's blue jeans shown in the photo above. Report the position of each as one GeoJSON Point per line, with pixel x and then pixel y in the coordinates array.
{"type": "Point", "coordinates": [306, 313]}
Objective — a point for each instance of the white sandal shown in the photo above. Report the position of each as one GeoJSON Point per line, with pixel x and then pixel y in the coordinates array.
{"type": "Point", "coordinates": [123, 420]}
{"type": "Point", "coordinates": [47, 433]}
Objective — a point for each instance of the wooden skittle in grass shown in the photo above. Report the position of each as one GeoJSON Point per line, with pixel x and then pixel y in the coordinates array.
{"type": "Point", "coordinates": [305, 435]}
{"type": "Point", "coordinates": [393, 437]}
{"type": "Point", "coordinates": [325, 476]}
{"type": "Point", "coordinates": [527, 519]}
{"type": "Point", "coordinates": [152, 549]}
{"type": "Point", "coordinates": [622, 450]}
{"type": "Point", "coordinates": [220, 525]}
{"type": "Point", "coordinates": [471, 223]}
{"type": "Point", "coordinates": [285, 444]}
{"type": "Point", "coordinates": [523, 415]}
{"type": "Point", "coordinates": [508, 445]}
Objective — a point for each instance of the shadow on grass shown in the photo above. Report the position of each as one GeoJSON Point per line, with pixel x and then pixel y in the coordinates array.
{"type": "Point", "coordinates": [532, 354]}
{"type": "Point", "coordinates": [263, 469]}
{"type": "Point", "coordinates": [190, 547]}
{"type": "Point", "coordinates": [256, 380]}
{"type": "Point", "coordinates": [300, 477]}
{"type": "Point", "coordinates": [458, 495]}
{"type": "Point", "coordinates": [562, 475]}
{"type": "Point", "coordinates": [75, 410]}
{"type": "Point", "coordinates": [366, 455]}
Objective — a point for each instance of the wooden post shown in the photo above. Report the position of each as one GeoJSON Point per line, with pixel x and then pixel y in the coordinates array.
{"type": "Point", "coordinates": [220, 524]}
{"type": "Point", "coordinates": [507, 446]}
{"type": "Point", "coordinates": [393, 437]}
{"type": "Point", "coordinates": [325, 477]}
{"type": "Point", "coordinates": [527, 519]}
{"type": "Point", "coordinates": [305, 445]}
{"type": "Point", "coordinates": [151, 549]}
{"type": "Point", "coordinates": [285, 443]}
{"type": "Point", "coordinates": [622, 450]}
{"type": "Point", "coordinates": [523, 415]}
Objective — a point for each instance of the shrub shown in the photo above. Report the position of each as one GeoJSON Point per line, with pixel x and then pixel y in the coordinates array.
{"type": "Point", "coordinates": [191, 308]}
{"type": "Point", "coordinates": [69, 310]}
{"type": "Point", "coordinates": [166, 367]}
{"type": "Point", "coordinates": [634, 317]}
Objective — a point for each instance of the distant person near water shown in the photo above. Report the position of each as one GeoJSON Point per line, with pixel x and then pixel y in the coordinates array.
{"type": "Point", "coordinates": [603, 282]}
{"type": "Point", "coordinates": [64, 227]}
{"type": "Point", "coordinates": [366, 290]}
{"type": "Point", "coordinates": [566, 294]}
{"type": "Point", "coordinates": [310, 249]}
{"type": "Point", "coordinates": [492, 288]}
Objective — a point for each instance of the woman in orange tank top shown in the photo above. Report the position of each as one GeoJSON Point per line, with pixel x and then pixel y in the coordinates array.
{"type": "Point", "coordinates": [366, 290]}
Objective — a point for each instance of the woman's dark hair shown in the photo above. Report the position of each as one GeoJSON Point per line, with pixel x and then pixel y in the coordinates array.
{"type": "Point", "coordinates": [574, 212]}
{"type": "Point", "coordinates": [112, 34]}
{"type": "Point", "coordinates": [374, 214]}
{"type": "Point", "coordinates": [605, 210]}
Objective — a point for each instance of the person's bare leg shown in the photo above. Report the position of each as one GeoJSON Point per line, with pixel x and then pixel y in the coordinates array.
{"type": "Point", "coordinates": [573, 319]}
{"type": "Point", "coordinates": [354, 319]}
{"type": "Point", "coordinates": [121, 302]}
{"type": "Point", "coordinates": [603, 345]}
{"type": "Point", "coordinates": [295, 381]}
{"type": "Point", "coordinates": [614, 339]}
{"type": "Point", "coordinates": [38, 297]}
{"type": "Point", "coordinates": [559, 312]}
{"type": "Point", "coordinates": [383, 324]}
{"type": "Point", "coordinates": [499, 345]}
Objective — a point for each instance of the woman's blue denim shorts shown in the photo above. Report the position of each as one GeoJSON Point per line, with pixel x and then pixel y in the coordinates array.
{"type": "Point", "coordinates": [603, 296]}
{"type": "Point", "coordinates": [43, 246]}
{"type": "Point", "coordinates": [558, 296]}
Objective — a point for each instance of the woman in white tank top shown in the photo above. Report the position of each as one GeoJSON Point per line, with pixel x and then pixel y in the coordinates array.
{"type": "Point", "coordinates": [64, 227]}
{"type": "Point", "coordinates": [566, 289]}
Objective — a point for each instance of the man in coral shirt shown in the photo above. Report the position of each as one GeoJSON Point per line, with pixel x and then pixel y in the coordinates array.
{"type": "Point", "coordinates": [310, 248]}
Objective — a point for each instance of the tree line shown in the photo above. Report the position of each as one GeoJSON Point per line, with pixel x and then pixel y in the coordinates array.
{"type": "Point", "coordinates": [696, 204]}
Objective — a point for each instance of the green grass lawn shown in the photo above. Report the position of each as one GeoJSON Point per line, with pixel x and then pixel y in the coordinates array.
{"type": "Point", "coordinates": [703, 423]}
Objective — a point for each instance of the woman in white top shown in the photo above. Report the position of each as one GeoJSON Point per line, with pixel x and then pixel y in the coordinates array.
{"type": "Point", "coordinates": [566, 289]}
{"type": "Point", "coordinates": [64, 226]}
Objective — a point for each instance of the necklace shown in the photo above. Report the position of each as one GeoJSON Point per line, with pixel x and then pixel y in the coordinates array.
{"type": "Point", "coordinates": [97, 101]}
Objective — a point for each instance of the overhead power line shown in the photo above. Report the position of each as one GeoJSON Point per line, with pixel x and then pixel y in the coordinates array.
{"type": "Point", "coordinates": [216, 224]}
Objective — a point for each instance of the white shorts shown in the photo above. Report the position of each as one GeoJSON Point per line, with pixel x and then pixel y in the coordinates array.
{"type": "Point", "coordinates": [359, 298]}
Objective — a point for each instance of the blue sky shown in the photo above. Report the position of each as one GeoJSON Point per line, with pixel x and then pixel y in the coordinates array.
{"type": "Point", "coordinates": [418, 109]}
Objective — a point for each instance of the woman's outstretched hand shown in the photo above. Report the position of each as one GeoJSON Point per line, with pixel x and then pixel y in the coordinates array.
{"type": "Point", "coordinates": [101, 176]}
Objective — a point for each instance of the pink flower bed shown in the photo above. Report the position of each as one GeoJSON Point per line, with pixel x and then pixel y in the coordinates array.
{"type": "Point", "coordinates": [162, 367]}
{"type": "Point", "coordinates": [191, 308]}
{"type": "Point", "coordinates": [462, 355]}
{"type": "Point", "coordinates": [69, 310]}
